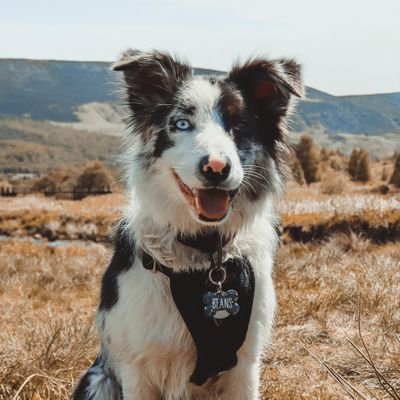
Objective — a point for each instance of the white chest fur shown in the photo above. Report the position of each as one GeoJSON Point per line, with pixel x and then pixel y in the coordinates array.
{"type": "Point", "coordinates": [145, 334]}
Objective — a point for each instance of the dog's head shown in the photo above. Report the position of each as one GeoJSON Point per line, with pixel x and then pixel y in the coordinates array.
{"type": "Point", "coordinates": [199, 145]}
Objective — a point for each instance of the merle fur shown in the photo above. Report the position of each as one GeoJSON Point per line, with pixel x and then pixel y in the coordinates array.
{"type": "Point", "coordinates": [97, 369]}
{"type": "Point", "coordinates": [254, 105]}
{"type": "Point", "coordinates": [151, 81]}
{"type": "Point", "coordinates": [123, 258]}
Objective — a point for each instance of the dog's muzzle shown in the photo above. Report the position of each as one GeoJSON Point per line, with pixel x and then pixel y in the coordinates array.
{"type": "Point", "coordinates": [211, 205]}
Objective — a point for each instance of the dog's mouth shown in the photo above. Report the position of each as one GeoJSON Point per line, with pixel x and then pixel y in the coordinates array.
{"type": "Point", "coordinates": [211, 205]}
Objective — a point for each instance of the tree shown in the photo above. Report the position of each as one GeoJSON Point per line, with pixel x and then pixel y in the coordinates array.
{"type": "Point", "coordinates": [395, 178]}
{"type": "Point", "coordinates": [364, 174]}
{"type": "Point", "coordinates": [297, 170]}
{"type": "Point", "coordinates": [94, 178]}
{"type": "Point", "coordinates": [309, 158]}
{"type": "Point", "coordinates": [353, 164]}
{"type": "Point", "coordinates": [358, 168]}
{"type": "Point", "coordinates": [46, 184]}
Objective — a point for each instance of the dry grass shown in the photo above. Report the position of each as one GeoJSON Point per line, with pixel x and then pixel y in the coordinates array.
{"type": "Point", "coordinates": [333, 182]}
{"type": "Point", "coordinates": [48, 300]}
{"type": "Point", "coordinates": [90, 219]}
{"type": "Point", "coordinates": [319, 289]}
{"type": "Point", "coordinates": [307, 214]}
{"type": "Point", "coordinates": [49, 295]}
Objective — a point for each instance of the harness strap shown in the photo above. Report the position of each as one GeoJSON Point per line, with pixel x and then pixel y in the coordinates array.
{"type": "Point", "coordinates": [217, 342]}
{"type": "Point", "coordinates": [153, 265]}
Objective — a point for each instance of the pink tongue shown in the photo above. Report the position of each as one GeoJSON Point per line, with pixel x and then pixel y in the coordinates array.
{"type": "Point", "coordinates": [212, 203]}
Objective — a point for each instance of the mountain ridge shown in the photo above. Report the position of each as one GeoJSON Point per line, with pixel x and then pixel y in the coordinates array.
{"type": "Point", "coordinates": [55, 89]}
{"type": "Point", "coordinates": [45, 105]}
{"type": "Point", "coordinates": [109, 63]}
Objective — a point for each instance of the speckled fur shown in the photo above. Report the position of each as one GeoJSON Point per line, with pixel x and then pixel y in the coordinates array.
{"type": "Point", "coordinates": [146, 349]}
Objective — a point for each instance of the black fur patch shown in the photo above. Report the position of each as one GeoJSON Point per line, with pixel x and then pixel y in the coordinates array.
{"type": "Point", "coordinates": [151, 82]}
{"type": "Point", "coordinates": [230, 105]}
{"type": "Point", "coordinates": [97, 370]}
{"type": "Point", "coordinates": [266, 87]}
{"type": "Point", "coordinates": [163, 142]}
{"type": "Point", "coordinates": [81, 391]}
{"type": "Point", "coordinates": [122, 260]}
{"type": "Point", "coordinates": [254, 105]}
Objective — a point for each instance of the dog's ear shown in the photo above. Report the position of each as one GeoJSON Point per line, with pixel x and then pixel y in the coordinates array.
{"type": "Point", "coordinates": [267, 85]}
{"type": "Point", "coordinates": [151, 78]}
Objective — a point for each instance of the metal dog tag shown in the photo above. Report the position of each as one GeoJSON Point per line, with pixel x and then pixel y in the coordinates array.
{"type": "Point", "coordinates": [220, 304]}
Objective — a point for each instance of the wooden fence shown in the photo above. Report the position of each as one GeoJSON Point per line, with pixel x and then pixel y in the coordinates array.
{"type": "Point", "coordinates": [10, 191]}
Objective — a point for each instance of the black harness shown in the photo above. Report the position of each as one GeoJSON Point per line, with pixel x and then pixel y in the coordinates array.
{"type": "Point", "coordinates": [215, 304]}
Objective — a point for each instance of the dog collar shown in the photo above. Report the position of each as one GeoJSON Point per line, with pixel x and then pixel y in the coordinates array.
{"type": "Point", "coordinates": [210, 243]}
{"type": "Point", "coordinates": [205, 242]}
{"type": "Point", "coordinates": [216, 311]}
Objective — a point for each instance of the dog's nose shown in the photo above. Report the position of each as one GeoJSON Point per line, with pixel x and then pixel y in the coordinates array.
{"type": "Point", "coordinates": [215, 170]}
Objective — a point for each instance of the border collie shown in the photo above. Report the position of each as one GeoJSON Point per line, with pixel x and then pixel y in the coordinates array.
{"type": "Point", "coordinates": [187, 302]}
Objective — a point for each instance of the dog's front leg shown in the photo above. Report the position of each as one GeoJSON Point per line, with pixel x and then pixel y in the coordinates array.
{"type": "Point", "coordinates": [136, 387]}
{"type": "Point", "coordinates": [242, 382]}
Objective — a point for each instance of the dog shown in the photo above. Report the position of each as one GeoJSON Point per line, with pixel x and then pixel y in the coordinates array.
{"type": "Point", "coordinates": [187, 303]}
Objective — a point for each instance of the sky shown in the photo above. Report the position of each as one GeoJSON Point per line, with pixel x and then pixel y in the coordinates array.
{"type": "Point", "coordinates": [345, 46]}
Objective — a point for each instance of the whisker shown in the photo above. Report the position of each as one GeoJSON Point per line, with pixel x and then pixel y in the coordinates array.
{"type": "Point", "coordinates": [249, 183]}
{"type": "Point", "coordinates": [255, 175]}
{"type": "Point", "coordinates": [263, 185]}
{"type": "Point", "coordinates": [252, 166]}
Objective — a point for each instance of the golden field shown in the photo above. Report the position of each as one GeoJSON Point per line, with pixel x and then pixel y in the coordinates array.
{"type": "Point", "coordinates": [338, 295]}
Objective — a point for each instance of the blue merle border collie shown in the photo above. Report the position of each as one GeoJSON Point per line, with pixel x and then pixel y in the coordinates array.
{"type": "Point", "coordinates": [187, 302]}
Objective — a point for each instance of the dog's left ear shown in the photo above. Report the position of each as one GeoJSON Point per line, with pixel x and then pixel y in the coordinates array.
{"type": "Point", "coordinates": [268, 85]}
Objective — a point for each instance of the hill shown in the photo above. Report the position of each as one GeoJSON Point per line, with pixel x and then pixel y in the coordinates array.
{"type": "Point", "coordinates": [368, 114]}
{"type": "Point", "coordinates": [50, 110]}
{"type": "Point", "coordinates": [57, 91]}
{"type": "Point", "coordinates": [50, 90]}
{"type": "Point", "coordinates": [38, 146]}
{"type": "Point", "coordinates": [54, 90]}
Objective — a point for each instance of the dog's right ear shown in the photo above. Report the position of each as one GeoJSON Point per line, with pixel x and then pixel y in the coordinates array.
{"type": "Point", "coordinates": [151, 78]}
{"type": "Point", "coordinates": [268, 85]}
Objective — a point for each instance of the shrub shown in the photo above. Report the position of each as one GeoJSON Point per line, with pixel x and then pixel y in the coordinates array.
{"type": "Point", "coordinates": [395, 179]}
{"type": "Point", "coordinates": [66, 178]}
{"type": "Point", "coordinates": [46, 184]}
{"type": "Point", "coordinates": [382, 189]}
{"type": "Point", "coordinates": [358, 168]}
{"type": "Point", "coordinates": [324, 154]}
{"type": "Point", "coordinates": [353, 164]}
{"type": "Point", "coordinates": [385, 174]}
{"type": "Point", "coordinates": [297, 170]}
{"type": "Point", "coordinates": [94, 178]}
{"type": "Point", "coordinates": [58, 181]}
{"type": "Point", "coordinates": [333, 183]}
{"type": "Point", "coordinates": [364, 174]}
{"type": "Point", "coordinates": [338, 162]}
{"type": "Point", "coordinates": [309, 158]}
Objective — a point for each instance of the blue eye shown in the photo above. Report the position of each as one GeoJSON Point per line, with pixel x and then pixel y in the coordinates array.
{"type": "Point", "coordinates": [183, 124]}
